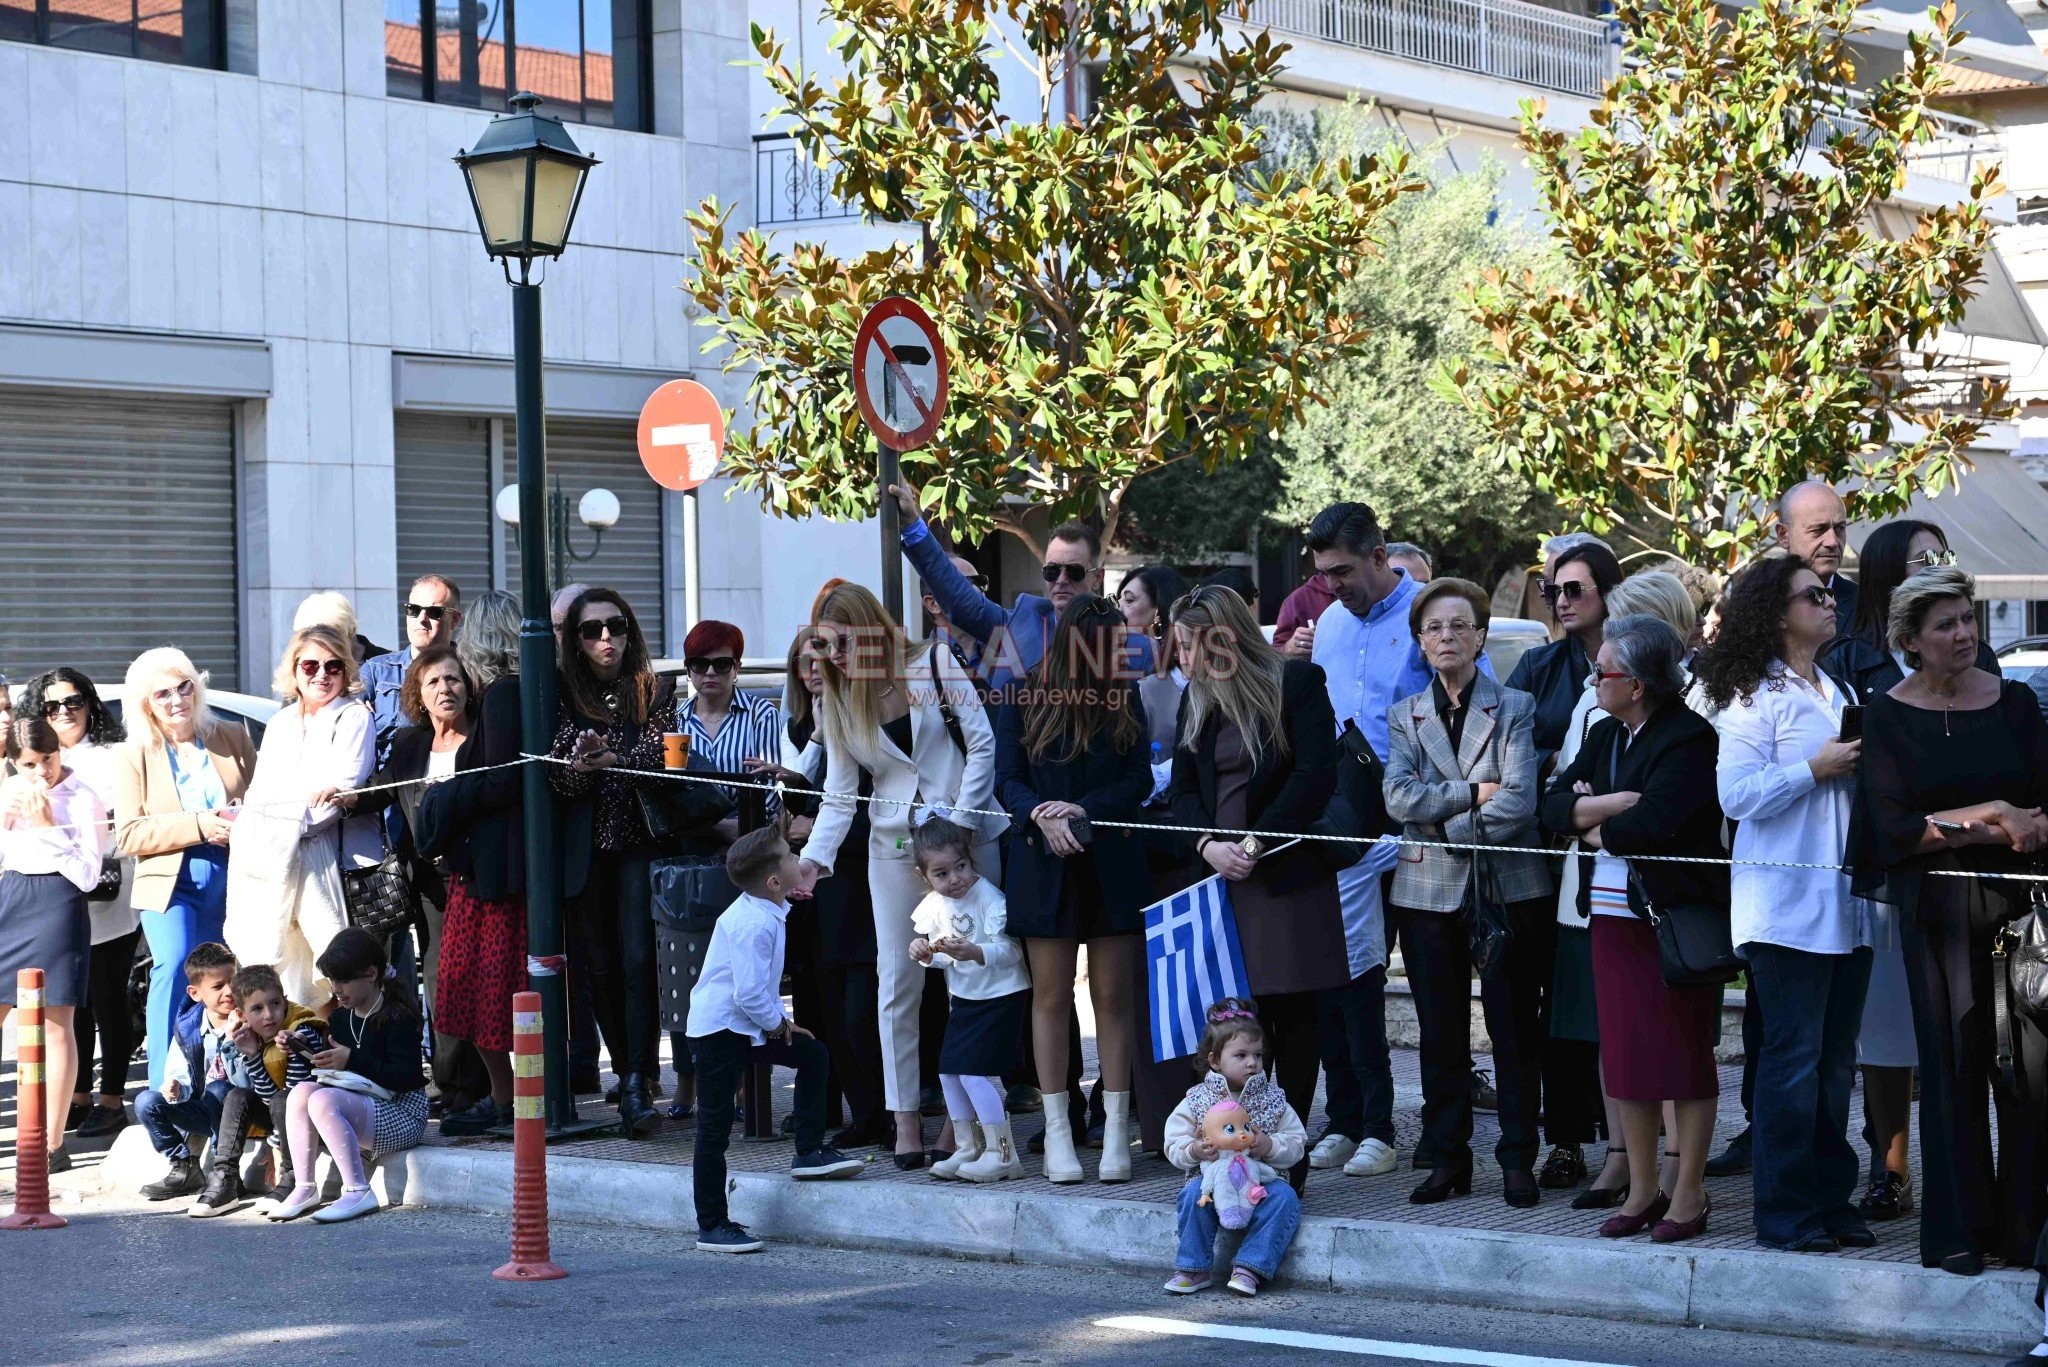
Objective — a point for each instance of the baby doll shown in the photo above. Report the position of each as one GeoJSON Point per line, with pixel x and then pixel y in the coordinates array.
{"type": "Point", "coordinates": [1233, 1180]}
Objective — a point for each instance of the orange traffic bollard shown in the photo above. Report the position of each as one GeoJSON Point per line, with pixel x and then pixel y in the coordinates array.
{"type": "Point", "coordinates": [530, 1255]}
{"type": "Point", "coordinates": [31, 1143]}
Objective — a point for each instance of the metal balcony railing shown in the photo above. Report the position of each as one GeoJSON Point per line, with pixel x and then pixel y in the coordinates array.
{"type": "Point", "coordinates": [789, 188]}
{"type": "Point", "coordinates": [1958, 148]}
{"type": "Point", "coordinates": [1507, 39]}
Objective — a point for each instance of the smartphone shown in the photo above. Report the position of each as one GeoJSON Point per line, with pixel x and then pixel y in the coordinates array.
{"type": "Point", "coordinates": [1941, 825]}
{"type": "Point", "coordinates": [1852, 723]}
{"type": "Point", "coordinates": [294, 1043]}
{"type": "Point", "coordinates": [1081, 829]}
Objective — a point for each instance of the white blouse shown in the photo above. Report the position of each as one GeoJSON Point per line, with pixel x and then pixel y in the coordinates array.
{"type": "Point", "coordinates": [1784, 814]}
{"type": "Point", "coordinates": [982, 917]}
{"type": "Point", "coordinates": [71, 846]}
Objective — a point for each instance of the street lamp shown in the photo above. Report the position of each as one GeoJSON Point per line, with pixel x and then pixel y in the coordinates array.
{"type": "Point", "coordinates": [598, 510]}
{"type": "Point", "coordinates": [525, 178]}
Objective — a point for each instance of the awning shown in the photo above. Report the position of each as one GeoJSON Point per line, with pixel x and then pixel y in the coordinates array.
{"type": "Point", "coordinates": [1998, 307]}
{"type": "Point", "coordinates": [1995, 40]}
{"type": "Point", "coordinates": [1996, 521]}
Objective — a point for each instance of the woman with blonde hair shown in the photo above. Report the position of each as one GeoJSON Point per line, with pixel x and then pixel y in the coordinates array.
{"type": "Point", "coordinates": [908, 717]}
{"type": "Point", "coordinates": [1257, 750]}
{"type": "Point", "coordinates": [176, 787]}
{"type": "Point", "coordinates": [284, 897]}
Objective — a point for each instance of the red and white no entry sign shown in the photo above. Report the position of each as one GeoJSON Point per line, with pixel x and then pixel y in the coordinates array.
{"type": "Point", "coordinates": [900, 375]}
{"type": "Point", "coordinates": [682, 434]}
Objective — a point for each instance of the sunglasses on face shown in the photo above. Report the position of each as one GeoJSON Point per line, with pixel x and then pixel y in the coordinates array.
{"type": "Point", "coordinates": [1605, 675]}
{"type": "Point", "coordinates": [616, 627]}
{"type": "Point", "coordinates": [1074, 574]}
{"type": "Point", "coordinates": [70, 702]}
{"type": "Point", "coordinates": [182, 689]}
{"type": "Point", "coordinates": [431, 611]}
{"type": "Point", "coordinates": [313, 669]}
{"type": "Point", "coordinates": [723, 664]}
{"type": "Point", "coordinates": [1820, 595]}
{"type": "Point", "coordinates": [1927, 560]}
{"type": "Point", "coordinates": [1570, 590]}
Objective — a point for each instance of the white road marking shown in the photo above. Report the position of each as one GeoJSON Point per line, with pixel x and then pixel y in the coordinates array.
{"type": "Point", "coordinates": [1333, 1343]}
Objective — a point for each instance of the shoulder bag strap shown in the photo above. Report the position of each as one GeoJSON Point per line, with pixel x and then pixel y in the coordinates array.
{"type": "Point", "coordinates": [946, 704]}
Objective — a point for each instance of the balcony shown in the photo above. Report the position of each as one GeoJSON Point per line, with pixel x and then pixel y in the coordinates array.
{"type": "Point", "coordinates": [789, 188]}
{"type": "Point", "coordinates": [1506, 39]}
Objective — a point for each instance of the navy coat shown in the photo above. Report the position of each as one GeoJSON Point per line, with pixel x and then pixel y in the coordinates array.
{"type": "Point", "coordinates": [1109, 786]}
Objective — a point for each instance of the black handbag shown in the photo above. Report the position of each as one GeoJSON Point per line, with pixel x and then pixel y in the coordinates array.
{"type": "Point", "coordinates": [1491, 931]}
{"type": "Point", "coordinates": [690, 890]}
{"type": "Point", "coordinates": [1695, 943]}
{"type": "Point", "coordinates": [379, 898]}
{"type": "Point", "coordinates": [108, 889]}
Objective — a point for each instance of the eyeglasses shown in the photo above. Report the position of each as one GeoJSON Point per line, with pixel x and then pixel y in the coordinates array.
{"type": "Point", "coordinates": [1820, 595]}
{"type": "Point", "coordinates": [182, 689]}
{"type": "Point", "coordinates": [70, 702]}
{"type": "Point", "coordinates": [1448, 628]}
{"type": "Point", "coordinates": [1603, 675]}
{"type": "Point", "coordinates": [313, 669]}
{"type": "Point", "coordinates": [724, 664]}
{"type": "Point", "coordinates": [591, 631]}
{"type": "Point", "coordinates": [431, 611]}
{"type": "Point", "coordinates": [979, 581]}
{"type": "Point", "coordinates": [1571, 590]}
{"type": "Point", "coordinates": [1075, 574]}
{"type": "Point", "coordinates": [1928, 560]}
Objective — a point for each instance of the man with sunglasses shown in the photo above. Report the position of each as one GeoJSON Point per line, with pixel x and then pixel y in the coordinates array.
{"type": "Point", "coordinates": [1013, 641]}
{"type": "Point", "coordinates": [432, 610]}
{"type": "Point", "coordinates": [1813, 524]}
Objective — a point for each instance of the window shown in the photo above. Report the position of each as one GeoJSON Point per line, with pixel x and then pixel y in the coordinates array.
{"type": "Point", "coordinates": [590, 60]}
{"type": "Point", "coordinates": [183, 32]}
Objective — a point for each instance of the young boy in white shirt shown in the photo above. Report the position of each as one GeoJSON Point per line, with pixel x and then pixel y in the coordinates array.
{"type": "Point", "coordinates": [736, 1017]}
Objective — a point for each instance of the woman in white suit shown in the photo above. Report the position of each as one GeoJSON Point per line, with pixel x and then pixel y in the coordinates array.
{"type": "Point", "coordinates": [910, 718]}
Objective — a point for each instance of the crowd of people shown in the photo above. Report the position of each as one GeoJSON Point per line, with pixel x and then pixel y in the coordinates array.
{"type": "Point", "coordinates": [1780, 778]}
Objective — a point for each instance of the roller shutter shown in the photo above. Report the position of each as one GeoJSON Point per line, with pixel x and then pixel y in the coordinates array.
{"type": "Point", "coordinates": [443, 484]}
{"type": "Point", "coordinates": [586, 454]}
{"type": "Point", "coordinates": [117, 532]}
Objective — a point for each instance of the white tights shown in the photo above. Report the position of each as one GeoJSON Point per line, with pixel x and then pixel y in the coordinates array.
{"type": "Point", "coordinates": [344, 1121]}
{"type": "Point", "coordinates": [980, 1097]}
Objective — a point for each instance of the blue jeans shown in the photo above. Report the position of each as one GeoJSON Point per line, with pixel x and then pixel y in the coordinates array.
{"type": "Point", "coordinates": [1274, 1221]}
{"type": "Point", "coordinates": [168, 1122]}
{"type": "Point", "coordinates": [1351, 1022]}
{"type": "Point", "coordinates": [193, 917]}
{"type": "Point", "coordinates": [1805, 1168]}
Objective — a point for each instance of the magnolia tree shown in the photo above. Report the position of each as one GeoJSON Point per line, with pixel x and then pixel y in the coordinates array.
{"type": "Point", "coordinates": [1117, 287]}
{"type": "Point", "coordinates": [1726, 315]}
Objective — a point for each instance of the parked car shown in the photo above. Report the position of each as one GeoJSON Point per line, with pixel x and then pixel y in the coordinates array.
{"type": "Point", "coordinates": [1508, 639]}
{"type": "Point", "coordinates": [2022, 659]}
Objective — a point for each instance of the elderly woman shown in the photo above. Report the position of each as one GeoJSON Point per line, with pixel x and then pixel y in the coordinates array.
{"type": "Point", "coordinates": [1953, 778]}
{"type": "Point", "coordinates": [1072, 752]}
{"type": "Point", "coordinates": [1461, 768]}
{"type": "Point", "coordinates": [1642, 784]}
{"type": "Point", "coordinates": [284, 895]}
{"type": "Point", "coordinates": [1788, 780]}
{"type": "Point", "coordinates": [175, 793]}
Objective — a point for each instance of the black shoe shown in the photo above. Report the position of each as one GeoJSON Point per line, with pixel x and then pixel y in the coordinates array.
{"type": "Point", "coordinates": [76, 1116]}
{"type": "Point", "coordinates": [1564, 1169]}
{"type": "Point", "coordinates": [824, 1164]}
{"type": "Point", "coordinates": [1036, 1143]}
{"type": "Point", "coordinates": [788, 1126]}
{"type": "Point", "coordinates": [1964, 1264]}
{"type": "Point", "coordinates": [873, 1134]}
{"type": "Point", "coordinates": [728, 1238]}
{"type": "Point", "coordinates": [1485, 1096]}
{"type": "Point", "coordinates": [1854, 1236]}
{"type": "Point", "coordinates": [1022, 1098]}
{"type": "Point", "coordinates": [931, 1101]}
{"type": "Point", "coordinates": [1890, 1197]}
{"type": "Point", "coordinates": [183, 1179]}
{"type": "Point", "coordinates": [679, 1110]}
{"type": "Point", "coordinates": [637, 1116]}
{"type": "Point", "coordinates": [479, 1119]}
{"type": "Point", "coordinates": [909, 1162]}
{"type": "Point", "coordinates": [1822, 1242]}
{"type": "Point", "coordinates": [1518, 1189]}
{"type": "Point", "coordinates": [1595, 1198]}
{"type": "Point", "coordinates": [60, 1161]}
{"type": "Point", "coordinates": [1733, 1160]}
{"type": "Point", "coordinates": [223, 1193]}
{"type": "Point", "coordinates": [1443, 1181]}
{"type": "Point", "coordinates": [103, 1120]}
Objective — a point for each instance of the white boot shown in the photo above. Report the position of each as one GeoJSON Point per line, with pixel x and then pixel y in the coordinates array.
{"type": "Point", "coordinates": [1116, 1137]}
{"type": "Point", "coordinates": [998, 1161]}
{"type": "Point", "coordinates": [1062, 1164]}
{"type": "Point", "coordinates": [966, 1148]}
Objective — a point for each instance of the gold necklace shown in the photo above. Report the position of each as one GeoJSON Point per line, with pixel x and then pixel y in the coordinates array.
{"type": "Point", "coordinates": [1947, 706]}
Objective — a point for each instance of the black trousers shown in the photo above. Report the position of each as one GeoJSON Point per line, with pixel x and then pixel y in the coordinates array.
{"type": "Point", "coordinates": [105, 1018]}
{"type": "Point", "coordinates": [1969, 1200]}
{"type": "Point", "coordinates": [238, 1111]}
{"type": "Point", "coordinates": [1573, 1112]}
{"type": "Point", "coordinates": [852, 1034]}
{"type": "Point", "coordinates": [1439, 958]}
{"type": "Point", "coordinates": [615, 916]}
{"type": "Point", "coordinates": [1294, 1055]}
{"type": "Point", "coordinates": [722, 1060]}
{"type": "Point", "coordinates": [932, 1010]}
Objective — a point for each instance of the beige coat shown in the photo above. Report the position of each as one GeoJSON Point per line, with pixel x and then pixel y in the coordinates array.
{"type": "Point", "coordinates": [151, 825]}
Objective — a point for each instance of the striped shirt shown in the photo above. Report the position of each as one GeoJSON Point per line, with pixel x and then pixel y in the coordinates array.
{"type": "Point", "coordinates": [751, 730]}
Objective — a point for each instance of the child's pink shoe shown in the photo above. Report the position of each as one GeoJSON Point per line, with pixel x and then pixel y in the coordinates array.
{"type": "Point", "coordinates": [1244, 1281]}
{"type": "Point", "coordinates": [1188, 1283]}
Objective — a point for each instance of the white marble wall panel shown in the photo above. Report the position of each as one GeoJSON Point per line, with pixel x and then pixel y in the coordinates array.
{"type": "Point", "coordinates": [152, 264]}
{"type": "Point", "coordinates": [14, 122]}
{"type": "Point", "coordinates": [17, 285]}
{"type": "Point", "coordinates": [330, 400]}
{"type": "Point", "coordinates": [238, 152]}
{"type": "Point", "coordinates": [195, 236]}
{"type": "Point", "coordinates": [241, 270]}
{"type": "Point", "coordinates": [325, 150]}
{"type": "Point", "coordinates": [103, 259]}
{"type": "Point", "coordinates": [53, 253]}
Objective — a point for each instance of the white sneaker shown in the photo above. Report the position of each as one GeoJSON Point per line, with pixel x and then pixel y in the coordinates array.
{"type": "Point", "coordinates": [1373, 1159]}
{"type": "Point", "coordinates": [351, 1205]}
{"type": "Point", "coordinates": [1332, 1151]}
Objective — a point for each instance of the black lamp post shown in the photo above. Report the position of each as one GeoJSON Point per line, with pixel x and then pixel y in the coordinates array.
{"type": "Point", "coordinates": [525, 178]}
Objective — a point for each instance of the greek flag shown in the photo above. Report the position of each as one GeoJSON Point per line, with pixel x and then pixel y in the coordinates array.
{"type": "Point", "coordinates": [1192, 961]}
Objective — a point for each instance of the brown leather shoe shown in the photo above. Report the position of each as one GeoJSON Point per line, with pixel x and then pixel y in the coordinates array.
{"type": "Point", "coordinates": [1626, 1226]}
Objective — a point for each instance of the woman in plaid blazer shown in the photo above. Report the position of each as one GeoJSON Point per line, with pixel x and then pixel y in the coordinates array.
{"type": "Point", "coordinates": [1461, 770]}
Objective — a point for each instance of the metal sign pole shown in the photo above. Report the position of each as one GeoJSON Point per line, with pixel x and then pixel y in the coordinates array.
{"type": "Point", "coordinates": [892, 536]}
